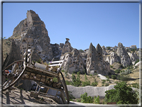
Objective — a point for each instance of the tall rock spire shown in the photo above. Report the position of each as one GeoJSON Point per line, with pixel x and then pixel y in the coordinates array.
{"type": "Point", "coordinates": [95, 63]}
{"type": "Point", "coordinates": [122, 53]}
{"type": "Point", "coordinates": [67, 47]}
{"type": "Point", "coordinates": [32, 31]}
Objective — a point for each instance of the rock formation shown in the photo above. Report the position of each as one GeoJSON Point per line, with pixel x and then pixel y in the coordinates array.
{"type": "Point", "coordinates": [124, 57]}
{"type": "Point", "coordinates": [95, 62]}
{"type": "Point", "coordinates": [14, 54]}
{"type": "Point", "coordinates": [56, 51]}
{"type": "Point", "coordinates": [104, 50]}
{"type": "Point", "coordinates": [113, 57]}
{"type": "Point", "coordinates": [67, 47]}
{"type": "Point", "coordinates": [73, 62]}
{"type": "Point", "coordinates": [133, 57]}
{"type": "Point", "coordinates": [32, 31]}
{"type": "Point", "coordinates": [99, 51]}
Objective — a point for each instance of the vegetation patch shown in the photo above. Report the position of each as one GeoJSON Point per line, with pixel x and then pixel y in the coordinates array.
{"type": "Point", "coordinates": [122, 94]}
{"type": "Point", "coordinates": [86, 99]}
{"type": "Point", "coordinates": [86, 81]}
{"type": "Point", "coordinates": [76, 81]}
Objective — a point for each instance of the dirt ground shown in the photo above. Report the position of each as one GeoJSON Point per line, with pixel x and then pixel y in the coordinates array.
{"type": "Point", "coordinates": [17, 96]}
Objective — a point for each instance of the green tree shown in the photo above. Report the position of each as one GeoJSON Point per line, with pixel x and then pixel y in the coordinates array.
{"type": "Point", "coordinates": [86, 99]}
{"type": "Point", "coordinates": [76, 81]}
{"type": "Point", "coordinates": [122, 94]}
{"type": "Point", "coordinates": [73, 78]}
{"type": "Point", "coordinates": [97, 100]}
{"type": "Point", "coordinates": [108, 47]}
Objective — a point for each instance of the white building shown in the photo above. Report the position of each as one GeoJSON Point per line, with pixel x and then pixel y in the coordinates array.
{"type": "Point", "coordinates": [133, 47]}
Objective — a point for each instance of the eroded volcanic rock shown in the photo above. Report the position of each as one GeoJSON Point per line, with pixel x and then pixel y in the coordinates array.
{"type": "Point", "coordinates": [32, 31]}
{"type": "Point", "coordinates": [113, 57]}
{"type": "Point", "coordinates": [133, 57]}
{"type": "Point", "coordinates": [95, 62]}
{"type": "Point", "coordinates": [67, 47]}
{"type": "Point", "coordinates": [73, 60]}
{"type": "Point", "coordinates": [124, 57]}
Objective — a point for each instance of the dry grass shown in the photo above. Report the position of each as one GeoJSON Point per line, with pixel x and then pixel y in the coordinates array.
{"type": "Point", "coordinates": [134, 78]}
{"type": "Point", "coordinates": [89, 78]}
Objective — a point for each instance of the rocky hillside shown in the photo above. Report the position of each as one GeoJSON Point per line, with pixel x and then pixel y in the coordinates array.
{"type": "Point", "coordinates": [32, 31]}
{"type": "Point", "coordinates": [121, 55]}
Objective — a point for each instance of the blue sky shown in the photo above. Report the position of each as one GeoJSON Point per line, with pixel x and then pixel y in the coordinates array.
{"type": "Point", "coordinates": [83, 23]}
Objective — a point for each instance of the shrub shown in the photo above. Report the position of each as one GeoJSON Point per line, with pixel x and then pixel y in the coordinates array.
{"type": "Point", "coordinates": [39, 61]}
{"type": "Point", "coordinates": [135, 85]}
{"type": "Point", "coordinates": [130, 67]}
{"type": "Point", "coordinates": [81, 50]}
{"type": "Point", "coordinates": [107, 84]}
{"type": "Point", "coordinates": [85, 83]}
{"type": "Point", "coordinates": [133, 50]}
{"type": "Point", "coordinates": [117, 71]}
{"type": "Point", "coordinates": [108, 79]}
{"type": "Point", "coordinates": [128, 71]}
{"type": "Point", "coordinates": [86, 99]}
{"type": "Point", "coordinates": [111, 66]}
{"type": "Point", "coordinates": [137, 61]}
{"type": "Point", "coordinates": [63, 71]}
{"type": "Point", "coordinates": [113, 76]}
{"type": "Point", "coordinates": [122, 71]}
{"type": "Point", "coordinates": [73, 78]}
{"type": "Point", "coordinates": [123, 77]}
{"type": "Point", "coordinates": [76, 81]}
{"type": "Point", "coordinates": [94, 83]}
{"type": "Point", "coordinates": [103, 81]}
{"type": "Point", "coordinates": [108, 47]}
{"type": "Point", "coordinates": [78, 100]}
{"type": "Point", "coordinates": [55, 79]}
{"type": "Point", "coordinates": [68, 83]}
{"type": "Point", "coordinates": [97, 100]}
{"type": "Point", "coordinates": [121, 94]}
{"type": "Point", "coordinates": [8, 42]}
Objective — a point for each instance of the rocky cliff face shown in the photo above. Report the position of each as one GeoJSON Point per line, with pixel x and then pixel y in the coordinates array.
{"type": "Point", "coordinates": [56, 50]}
{"type": "Point", "coordinates": [32, 31]}
{"type": "Point", "coordinates": [122, 53]}
{"type": "Point", "coordinates": [133, 57]}
{"type": "Point", "coordinates": [14, 53]}
{"type": "Point", "coordinates": [104, 50]}
{"type": "Point", "coordinates": [113, 57]}
{"type": "Point", "coordinates": [73, 60]}
{"type": "Point", "coordinates": [95, 62]}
